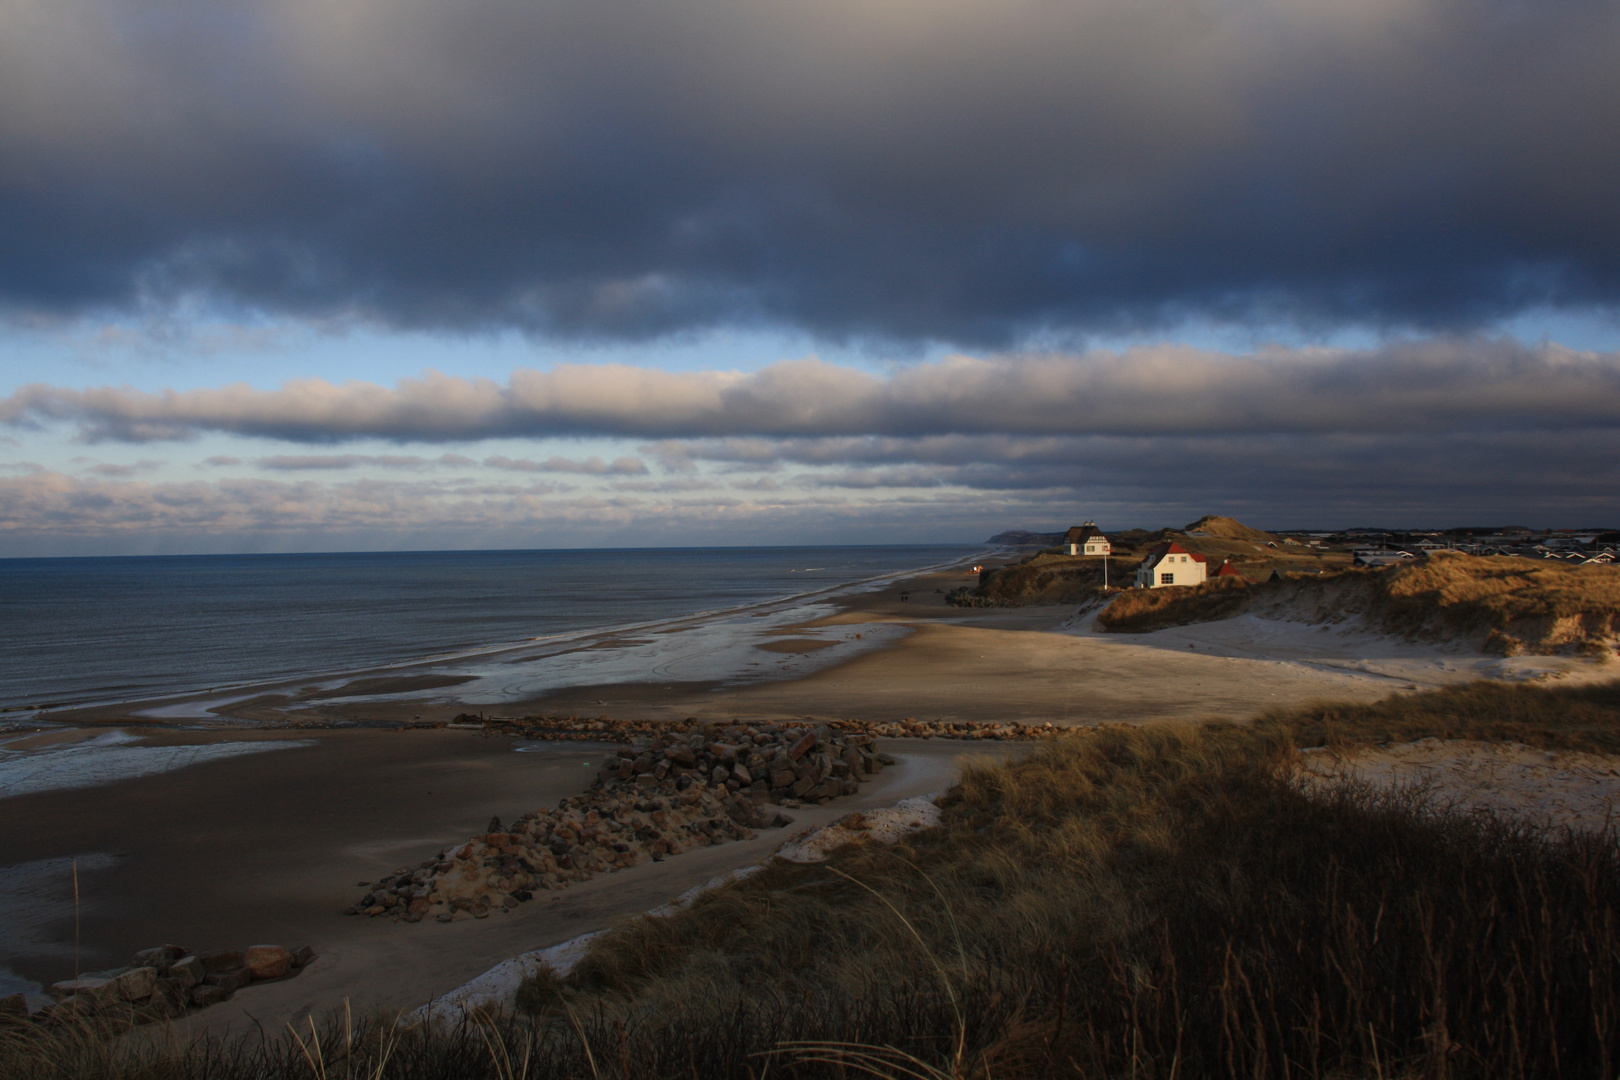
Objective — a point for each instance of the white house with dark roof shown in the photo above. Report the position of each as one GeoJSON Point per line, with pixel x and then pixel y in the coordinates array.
{"type": "Point", "coordinates": [1171, 564]}
{"type": "Point", "coordinates": [1086, 539]}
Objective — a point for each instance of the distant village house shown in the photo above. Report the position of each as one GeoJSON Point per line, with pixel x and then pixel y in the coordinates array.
{"type": "Point", "coordinates": [1087, 539]}
{"type": "Point", "coordinates": [1171, 564]}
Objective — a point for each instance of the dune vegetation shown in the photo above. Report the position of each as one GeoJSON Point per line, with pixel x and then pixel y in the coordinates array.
{"type": "Point", "coordinates": [1045, 578]}
{"type": "Point", "coordinates": [1503, 605]}
{"type": "Point", "coordinates": [1132, 902]}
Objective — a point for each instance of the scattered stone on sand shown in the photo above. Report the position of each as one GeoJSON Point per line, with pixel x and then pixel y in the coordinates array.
{"type": "Point", "coordinates": [160, 983]}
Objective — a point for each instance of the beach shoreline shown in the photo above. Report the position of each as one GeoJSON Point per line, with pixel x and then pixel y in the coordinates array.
{"type": "Point", "coordinates": [404, 691]}
{"type": "Point", "coordinates": [195, 833]}
{"type": "Point", "coordinates": [886, 649]}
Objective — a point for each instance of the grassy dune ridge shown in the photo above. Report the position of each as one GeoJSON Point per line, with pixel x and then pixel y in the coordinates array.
{"type": "Point", "coordinates": [1044, 578]}
{"type": "Point", "coordinates": [1146, 902]}
{"type": "Point", "coordinates": [1504, 605]}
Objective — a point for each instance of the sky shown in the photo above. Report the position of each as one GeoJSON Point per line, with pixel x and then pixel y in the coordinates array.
{"type": "Point", "coordinates": [280, 275]}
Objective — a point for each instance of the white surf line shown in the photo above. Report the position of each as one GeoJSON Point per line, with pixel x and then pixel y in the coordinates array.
{"type": "Point", "coordinates": [109, 758]}
{"type": "Point", "coordinates": [496, 990]}
{"type": "Point", "coordinates": [556, 643]}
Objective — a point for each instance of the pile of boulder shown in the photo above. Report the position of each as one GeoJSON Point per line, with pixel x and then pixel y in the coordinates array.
{"type": "Point", "coordinates": [603, 728]}
{"type": "Point", "coordinates": [911, 728]}
{"type": "Point", "coordinates": [652, 799]}
{"type": "Point", "coordinates": [768, 763]}
{"type": "Point", "coordinates": [584, 836]}
{"type": "Point", "coordinates": [164, 982]}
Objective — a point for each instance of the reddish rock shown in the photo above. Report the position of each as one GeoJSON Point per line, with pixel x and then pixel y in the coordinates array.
{"type": "Point", "coordinates": [802, 747]}
{"type": "Point", "coordinates": [272, 961]}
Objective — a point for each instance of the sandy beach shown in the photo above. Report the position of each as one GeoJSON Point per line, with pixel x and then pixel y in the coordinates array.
{"type": "Point", "coordinates": [1047, 665]}
{"type": "Point", "coordinates": [883, 652]}
{"type": "Point", "coordinates": [256, 820]}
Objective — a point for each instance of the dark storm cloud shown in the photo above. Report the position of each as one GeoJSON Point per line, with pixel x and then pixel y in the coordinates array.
{"type": "Point", "coordinates": [954, 170]}
{"type": "Point", "coordinates": [1440, 385]}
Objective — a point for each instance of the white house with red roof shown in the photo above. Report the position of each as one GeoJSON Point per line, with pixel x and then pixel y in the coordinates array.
{"type": "Point", "coordinates": [1171, 564]}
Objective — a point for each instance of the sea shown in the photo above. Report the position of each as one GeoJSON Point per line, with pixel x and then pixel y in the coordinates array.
{"type": "Point", "coordinates": [86, 631]}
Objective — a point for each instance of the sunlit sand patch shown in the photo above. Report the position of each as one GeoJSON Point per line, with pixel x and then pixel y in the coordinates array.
{"type": "Point", "coordinates": [1544, 787]}
{"type": "Point", "coordinates": [884, 826]}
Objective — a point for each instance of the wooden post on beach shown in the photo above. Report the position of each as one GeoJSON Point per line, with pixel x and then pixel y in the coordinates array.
{"type": "Point", "coordinates": [75, 920]}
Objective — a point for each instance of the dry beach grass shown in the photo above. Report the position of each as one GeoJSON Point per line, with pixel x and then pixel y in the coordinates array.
{"type": "Point", "coordinates": [1505, 605]}
{"type": "Point", "coordinates": [1153, 902]}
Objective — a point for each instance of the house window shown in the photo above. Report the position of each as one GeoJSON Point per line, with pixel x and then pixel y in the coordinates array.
{"type": "Point", "coordinates": [1167, 579]}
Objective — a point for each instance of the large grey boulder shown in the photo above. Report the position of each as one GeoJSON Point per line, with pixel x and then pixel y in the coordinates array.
{"type": "Point", "coordinates": [160, 957]}
{"type": "Point", "coordinates": [187, 971]}
{"type": "Point", "coordinates": [136, 984]}
{"type": "Point", "coordinates": [87, 988]}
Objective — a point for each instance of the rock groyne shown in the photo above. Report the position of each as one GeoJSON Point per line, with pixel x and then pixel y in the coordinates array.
{"type": "Point", "coordinates": [651, 799]}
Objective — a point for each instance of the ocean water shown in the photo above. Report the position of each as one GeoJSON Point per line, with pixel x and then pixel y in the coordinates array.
{"type": "Point", "coordinates": [82, 631]}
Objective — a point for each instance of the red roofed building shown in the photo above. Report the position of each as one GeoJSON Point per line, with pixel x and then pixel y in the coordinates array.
{"type": "Point", "coordinates": [1227, 570]}
{"type": "Point", "coordinates": [1171, 564]}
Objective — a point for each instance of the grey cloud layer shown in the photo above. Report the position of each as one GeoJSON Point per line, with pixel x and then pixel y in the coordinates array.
{"type": "Point", "coordinates": [1537, 477]}
{"type": "Point", "coordinates": [1444, 385]}
{"type": "Point", "coordinates": [957, 170]}
{"type": "Point", "coordinates": [591, 466]}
